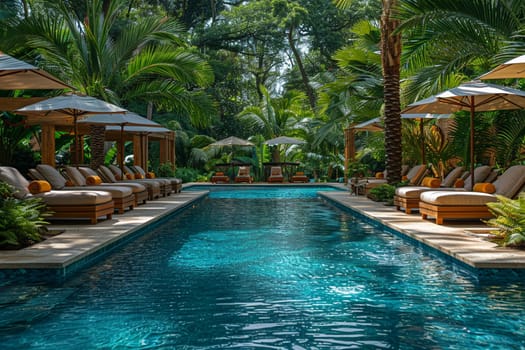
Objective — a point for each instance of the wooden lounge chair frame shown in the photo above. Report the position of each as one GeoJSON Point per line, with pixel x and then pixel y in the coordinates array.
{"type": "Point", "coordinates": [276, 174]}
{"type": "Point", "coordinates": [120, 203]}
{"type": "Point", "coordinates": [243, 175]}
{"type": "Point", "coordinates": [69, 210]}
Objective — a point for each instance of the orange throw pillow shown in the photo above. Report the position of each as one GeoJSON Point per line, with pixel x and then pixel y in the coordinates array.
{"type": "Point", "coordinates": [93, 180]}
{"type": "Point", "coordinates": [485, 187]}
{"type": "Point", "coordinates": [300, 173]}
{"type": "Point", "coordinates": [380, 175]}
{"type": "Point", "coordinates": [150, 175]}
{"type": "Point", "coordinates": [138, 176]}
{"type": "Point", "coordinates": [39, 186]}
{"type": "Point", "coordinates": [404, 178]}
{"type": "Point", "coordinates": [219, 173]}
{"type": "Point", "coordinates": [130, 176]}
{"type": "Point", "coordinates": [431, 182]}
{"type": "Point", "coordinates": [459, 183]}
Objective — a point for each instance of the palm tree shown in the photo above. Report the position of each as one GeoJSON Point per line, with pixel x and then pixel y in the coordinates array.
{"type": "Point", "coordinates": [391, 63]}
{"type": "Point", "coordinates": [121, 62]}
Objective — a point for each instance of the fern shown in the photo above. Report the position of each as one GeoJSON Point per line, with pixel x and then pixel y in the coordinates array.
{"type": "Point", "coordinates": [509, 220]}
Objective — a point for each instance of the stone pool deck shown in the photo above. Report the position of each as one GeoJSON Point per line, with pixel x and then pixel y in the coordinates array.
{"type": "Point", "coordinates": [79, 241]}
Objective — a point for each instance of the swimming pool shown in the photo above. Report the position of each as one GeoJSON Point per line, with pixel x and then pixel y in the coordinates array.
{"type": "Point", "coordinates": [269, 273]}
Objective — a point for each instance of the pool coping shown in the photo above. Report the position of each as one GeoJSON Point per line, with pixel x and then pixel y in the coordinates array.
{"type": "Point", "coordinates": [452, 238]}
{"type": "Point", "coordinates": [81, 241]}
{"type": "Point", "coordinates": [81, 244]}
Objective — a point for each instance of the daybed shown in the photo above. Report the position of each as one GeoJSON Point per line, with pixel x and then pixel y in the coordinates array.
{"type": "Point", "coordinates": [413, 176]}
{"type": "Point", "coordinates": [299, 177]}
{"type": "Point", "coordinates": [276, 174]}
{"type": "Point", "coordinates": [82, 176]}
{"type": "Point", "coordinates": [165, 185]}
{"type": "Point", "coordinates": [407, 197]}
{"type": "Point", "coordinates": [176, 184]}
{"type": "Point", "coordinates": [79, 204]}
{"type": "Point", "coordinates": [443, 205]}
{"type": "Point", "coordinates": [219, 177]}
{"type": "Point", "coordinates": [123, 197]}
{"type": "Point", "coordinates": [243, 175]}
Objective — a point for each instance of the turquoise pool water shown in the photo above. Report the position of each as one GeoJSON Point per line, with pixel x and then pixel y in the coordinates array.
{"type": "Point", "coordinates": [265, 273]}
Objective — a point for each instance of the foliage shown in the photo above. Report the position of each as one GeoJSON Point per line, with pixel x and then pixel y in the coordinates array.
{"type": "Point", "coordinates": [186, 174]}
{"type": "Point", "coordinates": [509, 220]}
{"type": "Point", "coordinates": [166, 170]}
{"type": "Point", "coordinates": [21, 220]}
{"type": "Point", "coordinates": [358, 169]}
{"type": "Point", "coordinates": [383, 193]}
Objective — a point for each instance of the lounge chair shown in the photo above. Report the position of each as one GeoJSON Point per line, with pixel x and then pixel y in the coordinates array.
{"type": "Point", "coordinates": [107, 176]}
{"type": "Point", "coordinates": [123, 197]}
{"type": "Point", "coordinates": [414, 177]}
{"type": "Point", "coordinates": [219, 177]}
{"type": "Point", "coordinates": [443, 205]}
{"type": "Point", "coordinates": [165, 185]}
{"type": "Point", "coordinates": [407, 197]}
{"type": "Point", "coordinates": [84, 176]}
{"type": "Point", "coordinates": [276, 174]}
{"type": "Point", "coordinates": [243, 175]}
{"type": "Point", "coordinates": [176, 184]}
{"type": "Point", "coordinates": [78, 204]}
{"type": "Point", "coordinates": [299, 177]}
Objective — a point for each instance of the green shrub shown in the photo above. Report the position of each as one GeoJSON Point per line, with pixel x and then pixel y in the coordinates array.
{"type": "Point", "coordinates": [21, 220]}
{"type": "Point", "coordinates": [383, 193]}
{"type": "Point", "coordinates": [187, 174]}
{"type": "Point", "coordinates": [166, 170]}
{"type": "Point", "coordinates": [509, 220]}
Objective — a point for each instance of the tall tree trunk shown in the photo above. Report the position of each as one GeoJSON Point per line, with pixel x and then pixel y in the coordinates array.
{"type": "Point", "coordinates": [96, 134]}
{"type": "Point", "coordinates": [298, 60]}
{"type": "Point", "coordinates": [391, 62]}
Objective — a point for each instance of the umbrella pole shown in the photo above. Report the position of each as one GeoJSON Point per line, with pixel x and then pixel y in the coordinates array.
{"type": "Point", "coordinates": [421, 134]}
{"type": "Point", "coordinates": [121, 151]}
{"type": "Point", "coordinates": [472, 111]}
{"type": "Point", "coordinates": [75, 140]}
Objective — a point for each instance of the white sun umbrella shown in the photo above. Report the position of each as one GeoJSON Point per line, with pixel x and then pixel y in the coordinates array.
{"type": "Point", "coordinates": [284, 140]}
{"type": "Point", "coordinates": [473, 97]}
{"type": "Point", "coordinates": [515, 68]}
{"type": "Point", "coordinates": [122, 121]}
{"type": "Point", "coordinates": [69, 108]}
{"type": "Point", "coordinates": [19, 75]}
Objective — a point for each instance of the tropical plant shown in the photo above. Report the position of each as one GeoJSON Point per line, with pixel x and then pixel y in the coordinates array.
{"type": "Point", "coordinates": [383, 193]}
{"type": "Point", "coordinates": [21, 220]}
{"type": "Point", "coordinates": [119, 60]}
{"type": "Point", "coordinates": [509, 220]}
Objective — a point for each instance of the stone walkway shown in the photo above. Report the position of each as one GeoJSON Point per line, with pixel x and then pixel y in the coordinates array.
{"type": "Point", "coordinates": [79, 240]}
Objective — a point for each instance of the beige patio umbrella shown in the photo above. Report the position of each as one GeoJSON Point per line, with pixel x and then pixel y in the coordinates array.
{"type": "Point", "coordinates": [122, 121]}
{"type": "Point", "coordinates": [514, 68]}
{"type": "Point", "coordinates": [472, 97]}
{"type": "Point", "coordinates": [231, 142]}
{"type": "Point", "coordinates": [19, 75]}
{"type": "Point", "coordinates": [69, 108]}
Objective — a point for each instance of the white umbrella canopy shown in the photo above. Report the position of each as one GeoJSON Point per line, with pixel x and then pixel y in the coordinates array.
{"type": "Point", "coordinates": [515, 68]}
{"type": "Point", "coordinates": [284, 140]}
{"type": "Point", "coordinates": [231, 141]}
{"type": "Point", "coordinates": [473, 97]}
{"type": "Point", "coordinates": [68, 108]}
{"type": "Point", "coordinates": [19, 75]}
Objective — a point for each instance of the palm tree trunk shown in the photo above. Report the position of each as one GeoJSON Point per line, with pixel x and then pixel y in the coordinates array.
{"type": "Point", "coordinates": [96, 134]}
{"type": "Point", "coordinates": [391, 61]}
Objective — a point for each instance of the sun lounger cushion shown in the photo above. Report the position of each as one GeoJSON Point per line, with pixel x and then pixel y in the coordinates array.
{"type": "Point", "coordinates": [93, 180]}
{"type": "Point", "coordinates": [431, 182]}
{"type": "Point", "coordinates": [452, 176]}
{"type": "Point", "coordinates": [510, 184]}
{"type": "Point", "coordinates": [485, 187]}
{"type": "Point", "coordinates": [39, 186]}
{"type": "Point", "coordinates": [457, 198]}
{"type": "Point", "coordinates": [57, 181]}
